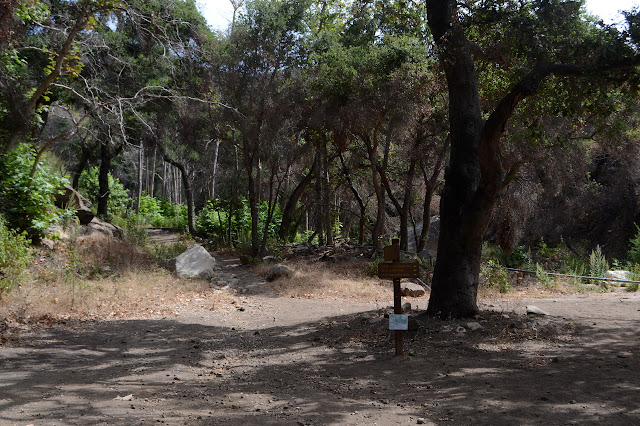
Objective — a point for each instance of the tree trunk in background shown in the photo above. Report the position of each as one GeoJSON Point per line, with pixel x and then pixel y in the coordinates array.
{"type": "Point", "coordinates": [164, 180]}
{"type": "Point", "coordinates": [140, 161]}
{"type": "Point", "coordinates": [431, 185]}
{"type": "Point", "coordinates": [107, 154]}
{"type": "Point", "coordinates": [378, 227]}
{"type": "Point", "coordinates": [188, 191]}
{"type": "Point", "coordinates": [326, 194]}
{"type": "Point", "coordinates": [404, 208]}
{"type": "Point", "coordinates": [318, 214]}
{"type": "Point", "coordinates": [215, 170]}
{"type": "Point", "coordinates": [284, 233]}
{"type": "Point", "coordinates": [346, 172]}
{"type": "Point", "coordinates": [153, 173]}
{"type": "Point", "coordinates": [80, 166]}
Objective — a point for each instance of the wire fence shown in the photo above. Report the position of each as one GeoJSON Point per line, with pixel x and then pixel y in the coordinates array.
{"type": "Point", "coordinates": [553, 274]}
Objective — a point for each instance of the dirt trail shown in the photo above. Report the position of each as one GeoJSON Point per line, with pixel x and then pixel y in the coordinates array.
{"type": "Point", "coordinates": [284, 361]}
{"type": "Point", "coordinates": [163, 235]}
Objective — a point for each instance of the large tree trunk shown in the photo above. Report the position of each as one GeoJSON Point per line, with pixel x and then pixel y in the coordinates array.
{"type": "Point", "coordinates": [456, 275]}
{"type": "Point", "coordinates": [475, 175]}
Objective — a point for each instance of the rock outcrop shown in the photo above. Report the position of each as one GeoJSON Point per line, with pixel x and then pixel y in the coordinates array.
{"type": "Point", "coordinates": [72, 199]}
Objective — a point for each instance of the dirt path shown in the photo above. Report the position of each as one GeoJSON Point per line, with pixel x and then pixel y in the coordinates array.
{"type": "Point", "coordinates": [163, 235]}
{"type": "Point", "coordinates": [283, 361]}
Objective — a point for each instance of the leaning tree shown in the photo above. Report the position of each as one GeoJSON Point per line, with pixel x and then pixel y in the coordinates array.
{"type": "Point", "coordinates": [530, 43]}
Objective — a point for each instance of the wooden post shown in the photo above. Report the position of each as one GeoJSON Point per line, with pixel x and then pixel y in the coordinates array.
{"type": "Point", "coordinates": [393, 269]}
{"type": "Point", "coordinates": [397, 309]}
{"type": "Point", "coordinates": [397, 294]}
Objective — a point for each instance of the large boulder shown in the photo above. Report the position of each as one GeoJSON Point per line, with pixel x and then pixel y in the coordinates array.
{"type": "Point", "coordinates": [72, 199]}
{"type": "Point", "coordinates": [99, 226]}
{"type": "Point", "coordinates": [196, 262]}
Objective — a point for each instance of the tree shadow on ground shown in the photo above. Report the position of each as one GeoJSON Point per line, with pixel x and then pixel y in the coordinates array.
{"type": "Point", "coordinates": [336, 371]}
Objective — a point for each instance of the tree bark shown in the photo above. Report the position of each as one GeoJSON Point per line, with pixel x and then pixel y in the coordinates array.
{"type": "Point", "coordinates": [456, 275]}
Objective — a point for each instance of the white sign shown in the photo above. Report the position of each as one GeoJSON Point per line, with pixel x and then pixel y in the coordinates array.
{"type": "Point", "coordinates": [398, 322]}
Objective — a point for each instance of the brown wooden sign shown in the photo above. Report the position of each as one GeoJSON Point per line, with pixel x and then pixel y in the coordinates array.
{"type": "Point", "coordinates": [392, 253]}
{"type": "Point", "coordinates": [398, 270]}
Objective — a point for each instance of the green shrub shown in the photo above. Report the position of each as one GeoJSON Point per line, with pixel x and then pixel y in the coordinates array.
{"type": "Point", "coordinates": [89, 186]}
{"type": "Point", "coordinates": [516, 259]}
{"type": "Point", "coordinates": [15, 256]}
{"type": "Point", "coordinates": [634, 275]}
{"type": "Point", "coordinates": [634, 252]}
{"type": "Point", "coordinates": [27, 205]}
{"type": "Point", "coordinates": [546, 280]}
{"type": "Point", "coordinates": [162, 214]}
{"type": "Point", "coordinates": [493, 276]}
{"type": "Point", "coordinates": [134, 229]}
{"type": "Point", "coordinates": [214, 219]}
{"type": "Point", "coordinates": [169, 251]}
{"type": "Point", "coordinates": [598, 265]}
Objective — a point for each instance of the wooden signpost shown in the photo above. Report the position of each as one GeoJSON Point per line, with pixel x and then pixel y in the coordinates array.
{"type": "Point", "coordinates": [393, 269]}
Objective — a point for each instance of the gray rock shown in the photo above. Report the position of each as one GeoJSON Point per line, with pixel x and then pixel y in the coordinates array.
{"type": "Point", "coordinates": [376, 320]}
{"type": "Point", "coordinates": [196, 262]}
{"type": "Point", "coordinates": [99, 226]}
{"type": "Point", "coordinates": [473, 326]}
{"type": "Point", "coordinates": [534, 310]}
{"type": "Point", "coordinates": [279, 271]}
{"type": "Point", "coordinates": [406, 307]}
{"type": "Point", "coordinates": [618, 275]}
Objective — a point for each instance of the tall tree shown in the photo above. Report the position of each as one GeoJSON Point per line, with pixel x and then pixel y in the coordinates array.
{"type": "Point", "coordinates": [564, 44]}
